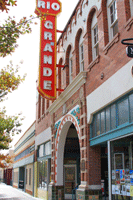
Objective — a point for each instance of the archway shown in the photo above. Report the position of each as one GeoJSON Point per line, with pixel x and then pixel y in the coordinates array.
{"type": "Point", "coordinates": [71, 162]}
{"type": "Point", "coordinates": [67, 131]}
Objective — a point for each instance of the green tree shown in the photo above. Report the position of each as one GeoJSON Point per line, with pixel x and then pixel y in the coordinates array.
{"type": "Point", "coordinates": [10, 31]}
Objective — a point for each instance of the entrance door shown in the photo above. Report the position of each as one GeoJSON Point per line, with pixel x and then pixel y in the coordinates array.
{"type": "Point", "coordinates": [69, 180]}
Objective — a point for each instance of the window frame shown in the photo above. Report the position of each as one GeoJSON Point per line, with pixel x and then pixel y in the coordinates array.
{"type": "Point", "coordinates": [117, 125]}
{"type": "Point", "coordinates": [95, 46]}
{"type": "Point", "coordinates": [70, 69]}
{"type": "Point", "coordinates": [112, 24]}
{"type": "Point", "coordinates": [81, 57]}
{"type": "Point", "coordinates": [131, 7]}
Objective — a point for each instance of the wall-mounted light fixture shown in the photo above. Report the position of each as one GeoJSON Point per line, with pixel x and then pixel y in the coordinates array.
{"type": "Point", "coordinates": [102, 76]}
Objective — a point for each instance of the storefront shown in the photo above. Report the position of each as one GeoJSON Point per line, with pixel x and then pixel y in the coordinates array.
{"type": "Point", "coordinates": [121, 162]}
{"type": "Point", "coordinates": [112, 129]}
{"type": "Point", "coordinates": [43, 169]}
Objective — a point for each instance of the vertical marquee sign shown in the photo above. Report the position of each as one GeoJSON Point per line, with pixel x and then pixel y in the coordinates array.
{"type": "Point", "coordinates": [48, 10]}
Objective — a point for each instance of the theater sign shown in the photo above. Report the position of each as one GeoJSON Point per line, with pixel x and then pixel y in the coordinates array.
{"type": "Point", "coordinates": [48, 10]}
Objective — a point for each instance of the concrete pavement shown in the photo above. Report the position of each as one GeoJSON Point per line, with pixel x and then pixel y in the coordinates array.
{"type": "Point", "coordinates": [10, 193]}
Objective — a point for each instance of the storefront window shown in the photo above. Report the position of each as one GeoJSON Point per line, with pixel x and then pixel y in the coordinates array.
{"type": "Point", "coordinates": [42, 171]}
{"type": "Point", "coordinates": [122, 168]}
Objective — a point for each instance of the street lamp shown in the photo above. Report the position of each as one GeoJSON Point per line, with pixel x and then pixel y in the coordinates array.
{"type": "Point", "coordinates": [129, 49]}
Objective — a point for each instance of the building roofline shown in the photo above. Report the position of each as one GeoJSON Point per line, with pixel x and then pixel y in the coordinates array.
{"type": "Point", "coordinates": [25, 133]}
{"type": "Point", "coordinates": [73, 13]}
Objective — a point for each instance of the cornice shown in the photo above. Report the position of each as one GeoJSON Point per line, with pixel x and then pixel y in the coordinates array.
{"type": "Point", "coordinates": [79, 80]}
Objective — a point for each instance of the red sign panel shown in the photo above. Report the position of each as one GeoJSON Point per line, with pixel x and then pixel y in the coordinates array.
{"type": "Point", "coordinates": [47, 68]}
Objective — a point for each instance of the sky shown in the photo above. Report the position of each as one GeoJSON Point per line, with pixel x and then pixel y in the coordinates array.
{"type": "Point", "coordinates": [24, 98]}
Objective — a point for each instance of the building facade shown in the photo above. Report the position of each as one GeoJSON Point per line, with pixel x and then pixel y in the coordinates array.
{"type": "Point", "coordinates": [6, 172]}
{"type": "Point", "coordinates": [23, 167]}
{"type": "Point", "coordinates": [90, 124]}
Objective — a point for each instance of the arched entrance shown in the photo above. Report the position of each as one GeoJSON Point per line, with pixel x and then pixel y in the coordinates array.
{"type": "Point", "coordinates": [71, 162]}
{"type": "Point", "coordinates": [67, 155]}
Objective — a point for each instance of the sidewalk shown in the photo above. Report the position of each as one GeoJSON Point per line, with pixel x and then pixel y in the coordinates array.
{"type": "Point", "coordinates": [9, 193]}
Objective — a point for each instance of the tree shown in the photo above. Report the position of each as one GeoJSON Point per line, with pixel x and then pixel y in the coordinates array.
{"type": "Point", "coordinates": [9, 125]}
{"type": "Point", "coordinates": [10, 31]}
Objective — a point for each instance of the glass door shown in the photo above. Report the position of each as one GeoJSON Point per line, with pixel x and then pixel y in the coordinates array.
{"type": "Point", "coordinates": [69, 180]}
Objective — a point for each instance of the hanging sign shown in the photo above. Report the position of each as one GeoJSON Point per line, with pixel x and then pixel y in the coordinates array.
{"type": "Point", "coordinates": [47, 10]}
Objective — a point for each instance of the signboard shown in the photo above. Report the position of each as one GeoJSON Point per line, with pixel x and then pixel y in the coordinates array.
{"type": "Point", "coordinates": [48, 10]}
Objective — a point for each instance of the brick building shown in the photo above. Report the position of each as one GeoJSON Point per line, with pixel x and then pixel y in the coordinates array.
{"type": "Point", "coordinates": [89, 127]}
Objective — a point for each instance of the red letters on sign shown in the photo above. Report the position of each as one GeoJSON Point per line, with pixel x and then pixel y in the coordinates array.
{"type": "Point", "coordinates": [47, 67]}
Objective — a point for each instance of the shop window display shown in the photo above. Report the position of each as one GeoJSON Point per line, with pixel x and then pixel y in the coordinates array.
{"type": "Point", "coordinates": [42, 174]}
{"type": "Point", "coordinates": [122, 168]}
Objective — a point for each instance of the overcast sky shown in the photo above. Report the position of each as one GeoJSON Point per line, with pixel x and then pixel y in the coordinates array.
{"type": "Point", "coordinates": [24, 99]}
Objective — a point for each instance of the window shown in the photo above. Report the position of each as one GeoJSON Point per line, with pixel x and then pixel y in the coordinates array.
{"type": "Point", "coordinates": [30, 176]}
{"type": "Point", "coordinates": [131, 107]}
{"type": "Point", "coordinates": [94, 37]}
{"type": "Point", "coordinates": [121, 167]}
{"type": "Point", "coordinates": [26, 175]}
{"type": "Point", "coordinates": [131, 7]}
{"type": "Point", "coordinates": [81, 51]}
{"type": "Point", "coordinates": [45, 149]}
{"type": "Point", "coordinates": [112, 117]}
{"type": "Point", "coordinates": [102, 122]}
{"type": "Point", "coordinates": [81, 57]}
{"type": "Point", "coordinates": [48, 148]}
{"type": "Point", "coordinates": [112, 19]}
{"type": "Point", "coordinates": [42, 174]}
{"type": "Point", "coordinates": [41, 150]}
{"type": "Point", "coordinates": [71, 69]}
{"type": "Point", "coordinates": [123, 112]}
{"type": "Point", "coordinates": [98, 124]}
{"type": "Point", "coordinates": [107, 119]}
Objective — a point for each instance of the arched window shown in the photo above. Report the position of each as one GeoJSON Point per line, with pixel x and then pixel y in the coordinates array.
{"type": "Point", "coordinates": [112, 18]}
{"type": "Point", "coordinates": [70, 67]}
{"type": "Point", "coordinates": [79, 49]}
{"type": "Point", "coordinates": [131, 7]}
{"type": "Point", "coordinates": [67, 63]}
{"type": "Point", "coordinates": [94, 37]}
{"type": "Point", "coordinates": [81, 53]}
{"type": "Point", "coordinates": [59, 78]}
{"type": "Point", "coordinates": [92, 30]}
